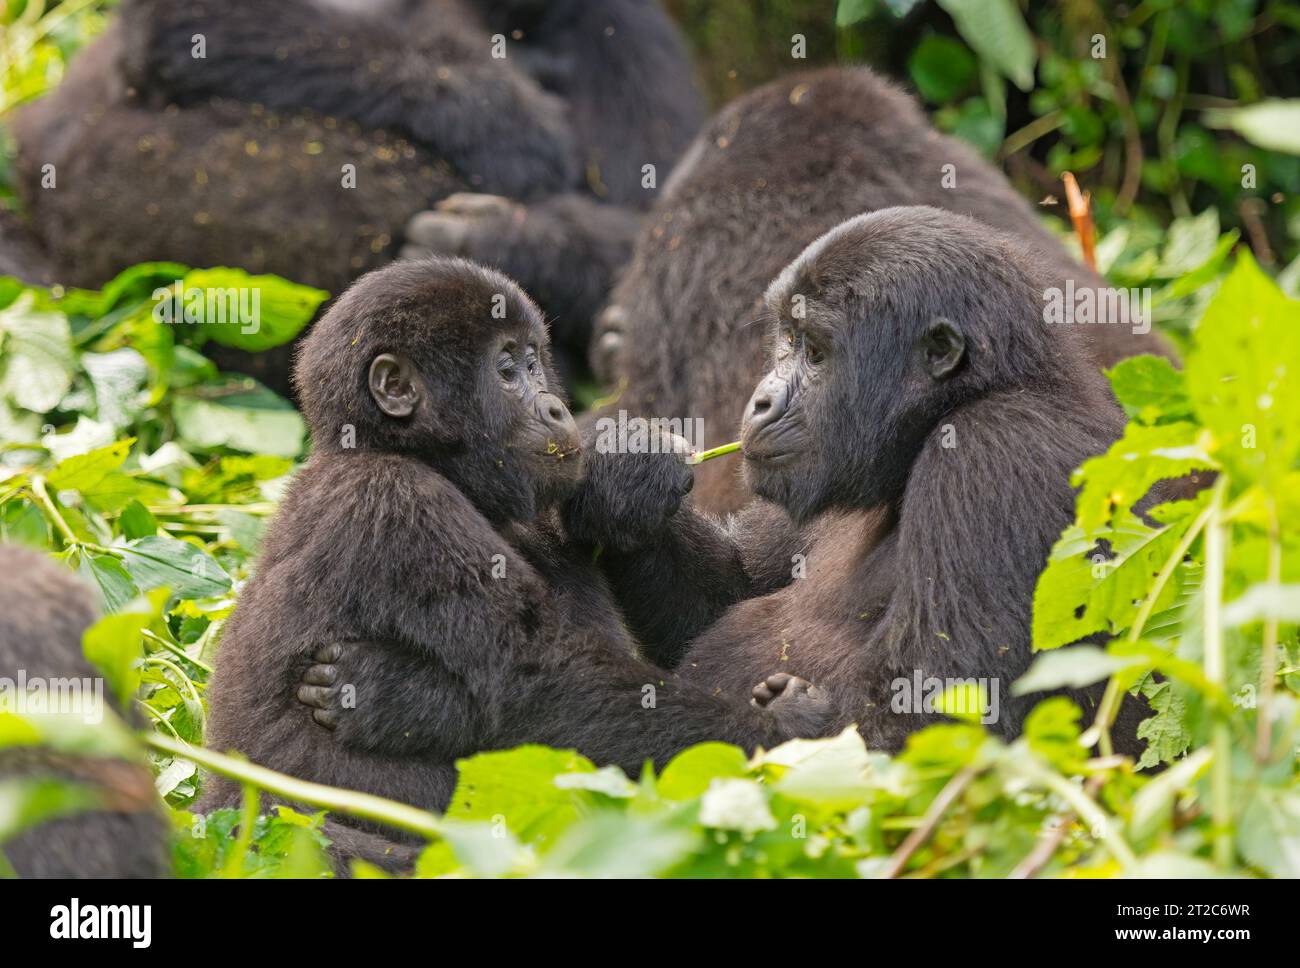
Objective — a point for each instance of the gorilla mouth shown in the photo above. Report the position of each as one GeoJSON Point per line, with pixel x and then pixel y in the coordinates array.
{"type": "Point", "coordinates": [769, 458]}
{"type": "Point", "coordinates": [560, 452]}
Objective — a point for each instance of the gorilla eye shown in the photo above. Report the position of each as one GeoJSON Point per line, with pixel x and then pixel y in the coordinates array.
{"type": "Point", "coordinates": [813, 353]}
{"type": "Point", "coordinates": [506, 367]}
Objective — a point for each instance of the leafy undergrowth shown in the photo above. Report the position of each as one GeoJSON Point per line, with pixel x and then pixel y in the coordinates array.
{"type": "Point", "coordinates": [111, 463]}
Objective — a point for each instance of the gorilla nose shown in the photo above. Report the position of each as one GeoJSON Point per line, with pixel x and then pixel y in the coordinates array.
{"type": "Point", "coordinates": [766, 406]}
{"type": "Point", "coordinates": [556, 418]}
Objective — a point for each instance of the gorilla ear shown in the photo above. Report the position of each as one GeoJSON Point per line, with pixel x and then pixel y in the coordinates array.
{"type": "Point", "coordinates": [393, 384]}
{"type": "Point", "coordinates": [943, 347]}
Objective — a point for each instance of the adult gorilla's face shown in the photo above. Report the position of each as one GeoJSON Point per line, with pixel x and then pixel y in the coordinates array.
{"type": "Point", "coordinates": [864, 368]}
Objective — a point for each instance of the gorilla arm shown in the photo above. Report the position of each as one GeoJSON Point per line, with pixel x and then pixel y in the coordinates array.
{"type": "Point", "coordinates": [491, 662]}
{"type": "Point", "coordinates": [673, 569]}
{"type": "Point", "coordinates": [977, 523]}
{"type": "Point", "coordinates": [446, 92]}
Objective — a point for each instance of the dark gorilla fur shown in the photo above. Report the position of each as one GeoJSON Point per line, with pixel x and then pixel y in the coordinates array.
{"type": "Point", "coordinates": [924, 480]}
{"type": "Point", "coordinates": [430, 550]}
{"type": "Point", "coordinates": [768, 175]}
{"type": "Point", "coordinates": [237, 158]}
{"type": "Point", "coordinates": [43, 612]}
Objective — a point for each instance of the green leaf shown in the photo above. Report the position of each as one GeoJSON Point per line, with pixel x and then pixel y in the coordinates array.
{"type": "Point", "coordinates": [996, 31]}
{"type": "Point", "coordinates": [118, 378]}
{"type": "Point", "coordinates": [518, 787]}
{"type": "Point", "coordinates": [186, 569]}
{"type": "Point", "coordinates": [835, 772]}
{"type": "Point", "coordinates": [1191, 242]}
{"type": "Point", "coordinates": [1082, 592]}
{"type": "Point", "coordinates": [113, 582]}
{"type": "Point", "coordinates": [1244, 373]}
{"type": "Point", "coordinates": [689, 773]}
{"type": "Point", "coordinates": [736, 804]}
{"type": "Point", "coordinates": [941, 68]}
{"type": "Point", "coordinates": [114, 646]}
{"type": "Point", "coordinates": [37, 358]}
{"type": "Point", "coordinates": [1165, 732]}
{"type": "Point", "coordinates": [1115, 481]}
{"type": "Point", "coordinates": [136, 522]}
{"type": "Point", "coordinates": [1073, 668]}
{"type": "Point", "coordinates": [253, 420]}
{"type": "Point", "coordinates": [252, 313]}
{"type": "Point", "coordinates": [1273, 123]}
{"type": "Point", "coordinates": [849, 12]}
{"type": "Point", "coordinates": [1150, 388]}
{"type": "Point", "coordinates": [620, 845]}
{"type": "Point", "coordinates": [1269, 832]}
{"type": "Point", "coordinates": [85, 472]}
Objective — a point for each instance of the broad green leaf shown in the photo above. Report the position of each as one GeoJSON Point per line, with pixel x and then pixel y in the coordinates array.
{"type": "Point", "coordinates": [85, 472]}
{"type": "Point", "coordinates": [689, 773]}
{"type": "Point", "coordinates": [608, 780]}
{"type": "Point", "coordinates": [1244, 373]}
{"type": "Point", "coordinates": [483, 848]}
{"type": "Point", "coordinates": [1073, 668]}
{"type": "Point", "coordinates": [1165, 732]}
{"type": "Point", "coordinates": [186, 569]}
{"type": "Point", "coordinates": [36, 359]}
{"type": "Point", "coordinates": [253, 420]}
{"type": "Point", "coordinates": [113, 582]}
{"type": "Point", "coordinates": [612, 844]}
{"type": "Point", "coordinates": [1118, 479]}
{"type": "Point", "coordinates": [252, 313]}
{"type": "Point", "coordinates": [941, 68]}
{"type": "Point", "coordinates": [836, 772]}
{"type": "Point", "coordinates": [1269, 832]}
{"type": "Point", "coordinates": [1150, 389]}
{"type": "Point", "coordinates": [1273, 123]}
{"type": "Point", "coordinates": [114, 646]}
{"type": "Point", "coordinates": [1191, 242]}
{"type": "Point", "coordinates": [119, 377]}
{"type": "Point", "coordinates": [136, 521]}
{"type": "Point", "coordinates": [997, 32]}
{"type": "Point", "coordinates": [518, 787]}
{"type": "Point", "coordinates": [1083, 592]}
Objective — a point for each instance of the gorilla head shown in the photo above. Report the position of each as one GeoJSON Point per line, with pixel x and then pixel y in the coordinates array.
{"type": "Point", "coordinates": [865, 366]}
{"type": "Point", "coordinates": [448, 362]}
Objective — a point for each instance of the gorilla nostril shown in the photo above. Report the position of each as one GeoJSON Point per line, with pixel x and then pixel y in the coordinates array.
{"type": "Point", "coordinates": [761, 406]}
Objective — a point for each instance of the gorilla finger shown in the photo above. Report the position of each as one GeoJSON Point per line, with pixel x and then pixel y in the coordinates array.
{"type": "Point", "coordinates": [320, 675]}
{"type": "Point", "coordinates": [325, 717]}
{"type": "Point", "coordinates": [762, 694]}
{"type": "Point", "coordinates": [329, 653]}
{"type": "Point", "coordinates": [438, 231]}
{"type": "Point", "coordinates": [318, 696]}
{"type": "Point", "coordinates": [476, 204]}
{"type": "Point", "coordinates": [778, 681]}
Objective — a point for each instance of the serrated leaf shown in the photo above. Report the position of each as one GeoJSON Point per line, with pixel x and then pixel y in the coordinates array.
{"type": "Point", "coordinates": [164, 562]}
{"type": "Point", "coordinates": [37, 360]}
{"type": "Point", "coordinates": [254, 421]}
{"type": "Point", "coordinates": [85, 471]}
{"type": "Point", "coordinates": [996, 30]}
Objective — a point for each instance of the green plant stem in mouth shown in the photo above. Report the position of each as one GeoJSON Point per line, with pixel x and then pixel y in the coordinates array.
{"type": "Point", "coordinates": [700, 456]}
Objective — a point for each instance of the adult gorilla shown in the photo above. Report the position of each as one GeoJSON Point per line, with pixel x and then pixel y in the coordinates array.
{"type": "Point", "coordinates": [767, 176]}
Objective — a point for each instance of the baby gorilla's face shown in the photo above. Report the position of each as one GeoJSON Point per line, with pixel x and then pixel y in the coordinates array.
{"type": "Point", "coordinates": [545, 437]}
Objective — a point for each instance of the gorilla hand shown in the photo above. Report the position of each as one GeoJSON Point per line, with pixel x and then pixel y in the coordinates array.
{"type": "Point", "coordinates": [319, 690]}
{"type": "Point", "coordinates": [464, 224]}
{"type": "Point", "coordinates": [628, 499]}
{"type": "Point", "coordinates": [804, 709]}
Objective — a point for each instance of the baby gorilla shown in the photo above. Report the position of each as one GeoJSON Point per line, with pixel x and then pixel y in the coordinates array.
{"type": "Point", "coordinates": [421, 539]}
{"type": "Point", "coordinates": [911, 448]}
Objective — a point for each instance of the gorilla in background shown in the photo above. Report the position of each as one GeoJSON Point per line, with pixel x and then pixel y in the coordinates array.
{"type": "Point", "coordinates": [44, 610]}
{"type": "Point", "coordinates": [241, 157]}
{"type": "Point", "coordinates": [421, 538]}
{"type": "Point", "coordinates": [768, 175]}
{"type": "Point", "coordinates": [917, 387]}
